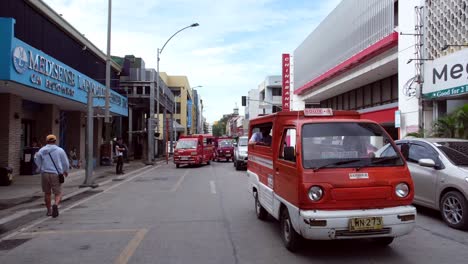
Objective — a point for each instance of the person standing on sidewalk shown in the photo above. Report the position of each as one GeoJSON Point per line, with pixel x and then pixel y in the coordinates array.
{"type": "Point", "coordinates": [119, 149]}
{"type": "Point", "coordinates": [52, 161]}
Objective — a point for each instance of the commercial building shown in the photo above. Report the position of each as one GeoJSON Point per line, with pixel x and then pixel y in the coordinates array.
{"type": "Point", "coordinates": [433, 72]}
{"type": "Point", "coordinates": [270, 95]}
{"type": "Point", "coordinates": [350, 62]}
{"type": "Point", "coordinates": [47, 68]}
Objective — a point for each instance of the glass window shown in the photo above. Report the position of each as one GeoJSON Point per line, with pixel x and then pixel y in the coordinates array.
{"type": "Point", "coordinates": [417, 152]}
{"type": "Point", "coordinates": [243, 141]}
{"type": "Point", "coordinates": [225, 143]}
{"type": "Point", "coordinates": [288, 145]}
{"type": "Point", "coordinates": [346, 145]}
{"type": "Point", "coordinates": [456, 152]}
{"type": "Point", "coordinates": [187, 144]}
{"type": "Point", "coordinates": [261, 134]}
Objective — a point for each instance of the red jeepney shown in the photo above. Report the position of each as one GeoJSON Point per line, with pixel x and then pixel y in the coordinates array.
{"type": "Point", "coordinates": [192, 150]}
{"type": "Point", "coordinates": [224, 148]}
{"type": "Point", "coordinates": [321, 175]}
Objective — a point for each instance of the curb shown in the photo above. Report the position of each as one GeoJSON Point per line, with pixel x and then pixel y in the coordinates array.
{"type": "Point", "coordinates": [6, 220]}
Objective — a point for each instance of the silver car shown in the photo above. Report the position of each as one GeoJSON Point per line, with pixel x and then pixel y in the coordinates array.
{"type": "Point", "coordinates": [240, 153]}
{"type": "Point", "coordinates": [439, 168]}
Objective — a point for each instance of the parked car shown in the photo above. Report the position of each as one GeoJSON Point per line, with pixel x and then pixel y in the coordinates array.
{"type": "Point", "coordinates": [439, 168]}
{"type": "Point", "coordinates": [240, 153]}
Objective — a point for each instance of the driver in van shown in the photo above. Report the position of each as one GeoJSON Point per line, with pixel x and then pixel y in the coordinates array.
{"type": "Point", "coordinates": [262, 137]}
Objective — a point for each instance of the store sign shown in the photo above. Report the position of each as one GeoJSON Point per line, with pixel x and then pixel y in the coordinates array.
{"type": "Point", "coordinates": [397, 119]}
{"type": "Point", "coordinates": [318, 112]}
{"type": "Point", "coordinates": [286, 82]}
{"type": "Point", "coordinates": [189, 113]}
{"type": "Point", "coordinates": [446, 76]}
{"type": "Point", "coordinates": [31, 67]}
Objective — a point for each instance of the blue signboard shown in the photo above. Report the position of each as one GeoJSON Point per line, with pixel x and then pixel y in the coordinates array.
{"type": "Point", "coordinates": [21, 63]}
{"type": "Point", "coordinates": [189, 113]}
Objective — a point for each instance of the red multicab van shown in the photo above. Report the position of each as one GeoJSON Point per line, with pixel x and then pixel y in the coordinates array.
{"type": "Point", "coordinates": [192, 150]}
{"type": "Point", "coordinates": [321, 177]}
{"type": "Point", "coordinates": [224, 148]}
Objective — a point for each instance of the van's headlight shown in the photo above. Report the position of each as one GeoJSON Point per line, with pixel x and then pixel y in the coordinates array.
{"type": "Point", "coordinates": [402, 190]}
{"type": "Point", "coordinates": [315, 193]}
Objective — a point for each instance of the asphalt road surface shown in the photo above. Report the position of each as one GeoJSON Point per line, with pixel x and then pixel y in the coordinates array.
{"type": "Point", "coordinates": [202, 215]}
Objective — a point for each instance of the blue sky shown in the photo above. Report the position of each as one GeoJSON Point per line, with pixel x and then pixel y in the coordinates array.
{"type": "Point", "coordinates": [237, 44]}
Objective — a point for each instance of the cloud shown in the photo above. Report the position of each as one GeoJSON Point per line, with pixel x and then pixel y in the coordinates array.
{"type": "Point", "coordinates": [237, 44]}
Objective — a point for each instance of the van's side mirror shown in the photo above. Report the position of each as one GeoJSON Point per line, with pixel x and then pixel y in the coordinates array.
{"type": "Point", "coordinates": [427, 163]}
{"type": "Point", "coordinates": [289, 153]}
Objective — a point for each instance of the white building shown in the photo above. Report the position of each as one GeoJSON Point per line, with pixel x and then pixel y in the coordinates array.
{"type": "Point", "coordinates": [270, 95]}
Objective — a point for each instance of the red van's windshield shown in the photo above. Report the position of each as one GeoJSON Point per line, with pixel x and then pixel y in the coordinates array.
{"type": "Point", "coordinates": [345, 145]}
{"type": "Point", "coordinates": [187, 144]}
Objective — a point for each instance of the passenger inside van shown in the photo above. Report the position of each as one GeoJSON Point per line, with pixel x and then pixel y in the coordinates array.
{"type": "Point", "coordinates": [261, 137]}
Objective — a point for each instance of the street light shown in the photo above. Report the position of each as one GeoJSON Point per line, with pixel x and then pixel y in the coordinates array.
{"type": "Point", "coordinates": [151, 147]}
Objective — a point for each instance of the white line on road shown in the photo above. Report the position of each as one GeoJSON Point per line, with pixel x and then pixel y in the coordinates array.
{"type": "Point", "coordinates": [212, 187]}
{"type": "Point", "coordinates": [75, 204]}
{"type": "Point", "coordinates": [179, 182]}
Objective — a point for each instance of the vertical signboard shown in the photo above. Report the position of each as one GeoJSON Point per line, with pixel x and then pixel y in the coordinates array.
{"type": "Point", "coordinates": [286, 82]}
{"type": "Point", "coordinates": [189, 113]}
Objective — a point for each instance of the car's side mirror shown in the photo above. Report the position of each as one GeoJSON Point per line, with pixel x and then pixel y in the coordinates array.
{"type": "Point", "coordinates": [427, 163]}
{"type": "Point", "coordinates": [235, 144]}
{"type": "Point", "coordinates": [289, 154]}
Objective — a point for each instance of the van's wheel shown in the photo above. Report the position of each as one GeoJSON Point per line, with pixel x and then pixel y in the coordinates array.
{"type": "Point", "coordinates": [236, 164]}
{"type": "Point", "coordinates": [261, 213]}
{"type": "Point", "coordinates": [291, 238]}
{"type": "Point", "coordinates": [177, 165]}
{"type": "Point", "coordinates": [382, 241]}
{"type": "Point", "coordinates": [208, 162]}
{"type": "Point", "coordinates": [454, 210]}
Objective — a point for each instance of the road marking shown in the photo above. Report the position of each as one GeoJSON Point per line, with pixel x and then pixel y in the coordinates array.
{"type": "Point", "coordinates": [130, 249]}
{"type": "Point", "coordinates": [212, 187]}
{"type": "Point", "coordinates": [40, 221]}
{"type": "Point", "coordinates": [61, 232]}
{"type": "Point", "coordinates": [179, 182]}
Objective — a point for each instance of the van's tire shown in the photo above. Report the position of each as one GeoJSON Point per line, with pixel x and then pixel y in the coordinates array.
{"type": "Point", "coordinates": [208, 162]}
{"type": "Point", "coordinates": [177, 166]}
{"type": "Point", "coordinates": [291, 239]}
{"type": "Point", "coordinates": [382, 241]}
{"type": "Point", "coordinates": [261, 213]}
{"type": "Point", "coordinates": [237, 165]}
{"type": "Point", "coordinates": [454, 210]}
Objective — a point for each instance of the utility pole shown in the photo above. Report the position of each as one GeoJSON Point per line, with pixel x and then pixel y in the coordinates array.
{"type": "Point", "coordinates": [108, 66]}
{"type": "Point", "coordinates": [157, 100]}
{"type": "Point", "coordinates": [89, 179]}
{"type": "Point", "coordinates": [150, 131]}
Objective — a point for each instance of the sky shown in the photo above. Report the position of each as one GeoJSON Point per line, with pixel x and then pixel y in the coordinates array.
{"type": "Point", "coordinates": [238, 42]}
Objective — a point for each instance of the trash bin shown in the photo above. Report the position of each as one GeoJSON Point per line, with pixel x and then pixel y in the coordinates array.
{"type": "Point", "coordinates": [6, 176]}
{"type": "Point", "coordinates": [27, 165]}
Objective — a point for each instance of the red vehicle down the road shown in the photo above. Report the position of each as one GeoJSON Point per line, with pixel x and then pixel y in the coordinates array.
{"type": "Point", "coordinates": [192, 150]}
{"type": "Point", "coordinates": [224, 148]}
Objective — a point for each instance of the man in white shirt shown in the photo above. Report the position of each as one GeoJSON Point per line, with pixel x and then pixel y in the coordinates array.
{"type": "Point", "coordinates": [119, 149]}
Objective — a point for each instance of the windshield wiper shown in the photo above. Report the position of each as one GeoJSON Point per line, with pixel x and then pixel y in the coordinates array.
{"type": "Point", "coordinates": [381, 160]}
{"type": "Point", "coordinates": [335, 163]}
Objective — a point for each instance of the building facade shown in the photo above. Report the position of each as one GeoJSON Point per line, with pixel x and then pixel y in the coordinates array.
{"type": "Point", "coordinates": [269, 96]}
{"type": "Point", "coordinates": [355, 67]}
{"type": "Point", "coordinates": [47, 70]}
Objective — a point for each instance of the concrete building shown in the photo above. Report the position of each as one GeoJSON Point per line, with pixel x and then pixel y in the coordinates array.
{"type": "Point", "coordinates": [269, 97]}
{"type": "Point", "coordinates": [355, 67]}
{"type": "Point", "coordinates": [47, 68]}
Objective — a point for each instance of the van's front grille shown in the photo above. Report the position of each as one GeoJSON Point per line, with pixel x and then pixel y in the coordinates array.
{"type": "Point", "coordinates": [347, 233]}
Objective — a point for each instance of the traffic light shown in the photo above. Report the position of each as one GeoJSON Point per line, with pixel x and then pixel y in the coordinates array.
{"type": "Point", "coordinates": [244, 100]}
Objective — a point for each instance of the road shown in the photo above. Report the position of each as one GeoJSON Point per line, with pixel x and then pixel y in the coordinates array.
{"type": "Point", "coordinates": [202, 215]}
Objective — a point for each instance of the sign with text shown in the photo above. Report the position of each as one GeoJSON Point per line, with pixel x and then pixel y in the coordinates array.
{"type": "Point", "coordinates": [446, 76]}
{"type": "Point", "coordinates": [286, 82]}
{"type": "Point", "coordinates": [318, 112]}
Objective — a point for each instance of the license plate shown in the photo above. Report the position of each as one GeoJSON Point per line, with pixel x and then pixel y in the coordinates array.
{"type": "Point", "coordinates": [365, 223]}
{"type": "Point", "coordinates": [183, 158]}
{"type": "Point", "coordinates": [228, 155]}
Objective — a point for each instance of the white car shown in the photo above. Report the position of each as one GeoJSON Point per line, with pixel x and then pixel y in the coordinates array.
{"type": "Point", "coordinates": [439, 168]}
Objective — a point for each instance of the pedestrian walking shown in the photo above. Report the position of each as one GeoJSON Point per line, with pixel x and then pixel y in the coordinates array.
{"type": "Point", "coordinates": [119, 149]}
{"type": "Point", "coordinates": [52, 162]}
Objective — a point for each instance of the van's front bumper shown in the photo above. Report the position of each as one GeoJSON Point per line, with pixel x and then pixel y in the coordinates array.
{"type": "Point", "coordinates": [326, 225]}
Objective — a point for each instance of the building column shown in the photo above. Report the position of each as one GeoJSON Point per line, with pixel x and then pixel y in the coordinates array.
{"type": "Point", "coordinates": [49, 122]}
{"type": "Point", "coordinates": [11, 110]}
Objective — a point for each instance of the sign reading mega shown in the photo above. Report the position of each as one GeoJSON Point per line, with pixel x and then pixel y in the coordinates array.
{"type": "Point", "coordinates": [446, 76]}
{"type": "Point", "coordinates": [286, 82]}
{"type": "Point", "coordinates": [37, 70]}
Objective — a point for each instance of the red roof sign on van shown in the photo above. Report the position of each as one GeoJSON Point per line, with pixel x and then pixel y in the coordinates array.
{"type": "Point", "coordinates": [318, 112]}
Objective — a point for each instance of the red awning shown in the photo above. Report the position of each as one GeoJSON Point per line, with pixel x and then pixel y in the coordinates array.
{"type": "Point", "coordinates": [381, 116]}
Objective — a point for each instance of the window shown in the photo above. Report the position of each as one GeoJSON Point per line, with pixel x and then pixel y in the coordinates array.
{"type": "Point", "coordinates": [178, 108]}
{"type": "Point", "coordinates": [288, 145]}
{"type": "Point", "coordinates": [417, 152]}
{"type": "Point", "coordinates": [261, 134]}
{"type": "Point", "coordinates": [276, 91]}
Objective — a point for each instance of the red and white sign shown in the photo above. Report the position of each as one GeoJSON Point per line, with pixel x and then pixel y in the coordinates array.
{"type": "Point", "coordinates": [286, 82]}
{"type": "Point", "coordinates": [318, 112]}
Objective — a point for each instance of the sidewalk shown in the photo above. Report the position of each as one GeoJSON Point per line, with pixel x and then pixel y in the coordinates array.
{"type": "Point", "coordinates": [26, 189]}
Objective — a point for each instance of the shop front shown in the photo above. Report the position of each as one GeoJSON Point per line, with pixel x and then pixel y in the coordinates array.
{"type": "Point", "coordinates": [446, 83]}
{"type": "Point", "coordinates": [40, 95]}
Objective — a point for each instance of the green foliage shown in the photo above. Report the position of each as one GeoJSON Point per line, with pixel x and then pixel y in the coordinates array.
{"type": "Point", "coordinates": [219, 129]}
{"type": "Point", "coordinates": [453, 125]}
